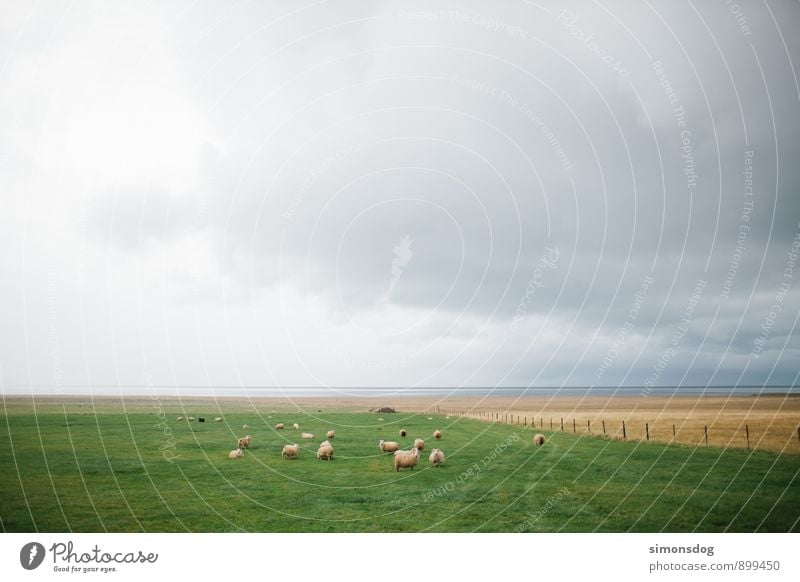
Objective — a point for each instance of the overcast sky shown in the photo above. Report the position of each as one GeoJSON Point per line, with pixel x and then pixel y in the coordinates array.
{"type": "Point", "coordinates": [377, 194]}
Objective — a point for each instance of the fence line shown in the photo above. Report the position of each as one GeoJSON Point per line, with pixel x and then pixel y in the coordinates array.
{"type": "Point", "coordinates": [686, 433]}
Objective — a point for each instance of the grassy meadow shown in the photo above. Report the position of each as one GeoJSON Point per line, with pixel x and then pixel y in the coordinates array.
{"type": "Point", "coordinates": [70, 468]}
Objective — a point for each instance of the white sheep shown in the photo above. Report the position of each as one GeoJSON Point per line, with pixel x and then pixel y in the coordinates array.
{"type": "Point", "coordinates": [331, 434]}
{"type": "Point", "coordinates": [245, 441]}
{"type": "Point", "coordinates": [245, 427]}
{"type": "Point", "coordinates": [237, 454]}
{"type": "Point", "coordinates": [217, 419]}
{"type": "Point", "coordinates": [437, 434]}
{"type": "Point", "coordinates": [538, 440]}
{"type": "Point", "coordinates": [179, 418]}
{"type": "Point", "coordinates": [419, 444]}
{"type": "Point", "coordinates": [296, 426]}
{"type": "Point", "coordinates": [403, 432]}
{"type": "Point", "coordinates": [279, 426]}
{"type": "Point", "coordinates": [430, 418]}
{"type": "Point", "coordinates": [325, 444]}
{"type": "Point", "coordinates": [388, 446]}
{"type": "Point", "coordinates": [436, 458]}
{"type": "Point", "coordinates": [405, 459]}
{"type": "Point", "coordinates": [306, 435]}
{"type": "Point", "coordinates": [380, 419]}
{"type": "Point", "coordinates": [190, 419]}
{"type": "Point", "coordinates": [290, 451]}
{"type": "Point", "coordinates": [325, 452]}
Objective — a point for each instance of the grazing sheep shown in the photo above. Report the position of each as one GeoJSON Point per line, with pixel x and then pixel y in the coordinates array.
{"type": "Point", "coordinates": [279, 426]}
{"type": "Point", "coordinates": [331, 434]}
{"type": "Point", "coordinates": [430, 418]}
{"type": "Point", "coordinates": [306, 435]}
{"type": "Point", "coordinates": [436, 458]}
{"type": "Point", "coordinates": [403, 432]}
{"type": "Point", "coordinates": [201, 419]}
{"type": "Point", "coordinates": [538, 440]}
{"type": "Point", "coordinates": [388, 446]}
{"type": "Point", "coordinates": [179, 418]}
{"type": "Point", "coordinates": [237, 454]}
{"type": "Point", "coordinates": [290, 451]}
{"type": "Point", "coordinates": [245, 441]}
{"type": "Point", "coordinates": [419, 444]}
{"type": "Point", "coordinates": [405, 459]}
{"type": "Point", "coordinates": [325, 444]}
{"type": "Point", "coordinates": [245, 427]}
{"type": "Point", "coordinates": [218, 419]}
{"type": "Point", "coordinates": [190, 419]}
{"type": "Point", "coordinates": [437, 434]}
{"type": "Point", "coordinates": [325, 453]}
{"type": "Point", "coordinates": [296, 426]}
{"type": "Point", "coordinates": [380, 419]}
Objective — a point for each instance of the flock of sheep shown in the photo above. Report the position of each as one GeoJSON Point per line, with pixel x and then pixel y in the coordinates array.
{"type": "Point", "coordinates": [403, 459]}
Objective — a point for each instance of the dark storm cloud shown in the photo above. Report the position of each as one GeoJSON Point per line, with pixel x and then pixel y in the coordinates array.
{"type": "Point", "coordinates": [498, 182]}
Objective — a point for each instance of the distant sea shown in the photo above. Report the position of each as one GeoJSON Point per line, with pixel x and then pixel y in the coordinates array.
{"type": "Point", "coordinates": [382, 392]}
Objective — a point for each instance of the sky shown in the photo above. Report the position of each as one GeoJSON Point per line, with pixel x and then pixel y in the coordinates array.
{"type": "Point", "coordinates": [359, 193]}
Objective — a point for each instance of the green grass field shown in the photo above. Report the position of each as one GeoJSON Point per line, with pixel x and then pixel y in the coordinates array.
{"type": "Point", "coordinates": [86, 472]}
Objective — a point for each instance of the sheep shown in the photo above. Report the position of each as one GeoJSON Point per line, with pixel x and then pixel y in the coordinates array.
{"type": "Point", "coordinates": [237, 454]}
{"type": "Point", "coordinates": [436, 458]}
{"type": "Point", "coordinates": [437, 434]}
{"type": "Point", "coordinates": [179, 418]}
{"type": "Point", "coordinates": [388, 446]}
{"type": "Point", "coordinates": [419, 444]}
{"type": "Point", "coordinates": [245, 441]}
{"type": "Point", "coordinates": [325, 452]}
{"type": "Point", "coordinates": [296, 426]}
{"type": "Point", "coordinates": [538, 440]}
{"type": "Point", "coordinates": [190, 419]}
{"type": "Point", "coordinates": [430, 418]}
{"type": "Point", "coordinates": [404, 459]}
{"type": "Point", "coordinates": [279, 426]}
{"type": "Point", "coordinates": [218, 419]}
{"type": "Point", "coordinates": [331, 434]}
{"type": "Point", "coordinates": [245, 427]}
{"type": "Point", "coordinates": [380, 419]}
{"type": "Point", "coordinates": [290, 451]}
{"type": "Point", "coordinates": [307, 435]}
{"type": "Point", "coordinates": [403, 432]}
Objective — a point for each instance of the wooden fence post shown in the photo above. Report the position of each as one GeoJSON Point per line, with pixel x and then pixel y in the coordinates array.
{"type": "Point", "coordinates": [604, 427]}
{"type": "Point", "coordinates": [747, 436]}
{"type": "Point", "coordinates": [623, 430]}
{"type": "Point", "coordinates": [562, 424]}
{"type": "Point", "coordinates": [673, 432]}
{"type": "Point", "coordinates": [573, 425]}
{"type": "Point", "coordinates": [551, 423]}
{"type": "Point", "coordinates": [589, 426]}
{"type": "Point", "coordinates": [705, 430]}
{"type": "Point", "coordinates": [647, 430]}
